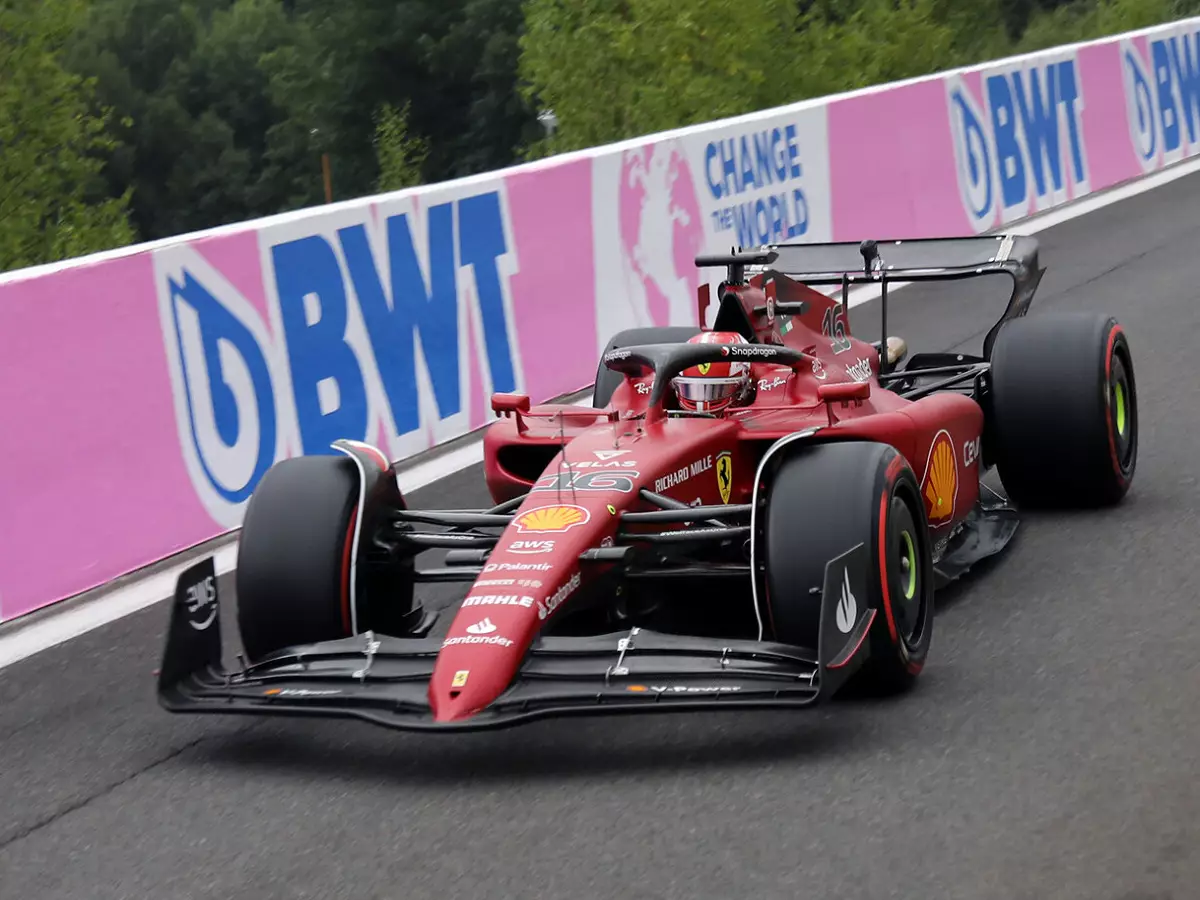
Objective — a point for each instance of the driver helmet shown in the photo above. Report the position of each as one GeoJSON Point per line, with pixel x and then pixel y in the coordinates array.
{"type": "Point", "coordinates": [710, 387]}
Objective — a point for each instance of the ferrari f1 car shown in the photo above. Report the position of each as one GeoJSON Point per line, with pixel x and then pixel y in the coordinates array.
{"type": "Point", "coordinates": [750, 516]}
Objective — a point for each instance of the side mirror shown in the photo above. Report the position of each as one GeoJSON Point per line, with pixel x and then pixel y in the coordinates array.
{"type": "Point", "coordinates": [510, 403]}
{"type": "Point", "coordinates": [850, 392]}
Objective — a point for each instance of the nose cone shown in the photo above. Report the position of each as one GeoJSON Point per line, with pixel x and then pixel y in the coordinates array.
{"type": "Point", "coordinates": [480, 654]}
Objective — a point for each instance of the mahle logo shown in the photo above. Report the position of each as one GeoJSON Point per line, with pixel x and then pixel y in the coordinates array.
{"type": "Point", "coordinates": [362, 328]}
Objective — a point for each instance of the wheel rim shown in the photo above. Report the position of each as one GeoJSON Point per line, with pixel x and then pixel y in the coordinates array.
{"type": "Point", "coordinates": [906, 576]}
{"type": "Point", "coordinates": [1124, 416]}
{"type": "Point", "coordinates": [908, 562]}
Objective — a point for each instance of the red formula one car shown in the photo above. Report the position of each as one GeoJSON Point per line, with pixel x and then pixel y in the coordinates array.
{"type": "Point", "coordinates": [748, 516]}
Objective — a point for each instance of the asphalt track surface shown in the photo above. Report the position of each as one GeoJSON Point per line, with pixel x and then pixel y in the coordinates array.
{"type": "Point", "coordinates": [1049, 751]}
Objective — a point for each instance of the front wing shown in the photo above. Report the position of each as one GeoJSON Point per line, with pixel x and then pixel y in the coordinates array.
{"type": "Point", "coordinates": [385, 680]}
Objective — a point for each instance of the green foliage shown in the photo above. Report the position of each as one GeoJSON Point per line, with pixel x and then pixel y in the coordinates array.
{"type": "Point", "coordinates": [52, 203]}
{"type": "Point", "coordinates": [880, 41]}
{"type": "Point", "coordinates": [233, 102]}
{"type": "Point", "coordinates": [177, 115]}
{"type": "Point", "coordinates": [400, 155]}
{"type": "Point", "coordinates": [1081, 21]}
{"type": "Point", "coordinates": [613, 69]}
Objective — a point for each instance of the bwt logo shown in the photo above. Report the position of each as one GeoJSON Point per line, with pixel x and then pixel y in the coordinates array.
{"type": "Point", "coordinates": [1022, 141]}
{"type": "Point", "coordinates": [1162, 96]}
{"type": "Point", "coordinates": [368, 329]}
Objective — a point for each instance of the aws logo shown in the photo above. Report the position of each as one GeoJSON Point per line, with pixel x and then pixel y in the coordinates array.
{"type": "Point", "coordinates": [365, 329]}
{"type": "Point", "coordinates": [1162, 95]}
{"type": "Point", "coordinates": [1018, 144]}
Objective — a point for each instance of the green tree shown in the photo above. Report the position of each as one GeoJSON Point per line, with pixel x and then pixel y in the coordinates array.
{"type": "Point", "coordinates": [452, 62]}
{"type": "Point", "coordinates": [400, 154]}
{"type": "Point", "coordinates": [203, 143]}
{"type": "Point", "coordinates": [52, 199]}
{"type": "Point", "coordinates": [1081, 21]}
{"type": "Point", "coordinates": [614, 69]}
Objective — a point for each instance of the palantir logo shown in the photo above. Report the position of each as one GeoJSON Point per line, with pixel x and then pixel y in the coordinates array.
{"type": "Point", "coordinates": [1018, 148]}
{"type": "Point", "coordinates": [1162, 95]}
{"type": "Point", "coordinates": [225, 407]}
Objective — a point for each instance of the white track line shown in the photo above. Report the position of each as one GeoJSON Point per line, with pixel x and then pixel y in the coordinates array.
{"type": "Point", "coordinates": [61, 622]}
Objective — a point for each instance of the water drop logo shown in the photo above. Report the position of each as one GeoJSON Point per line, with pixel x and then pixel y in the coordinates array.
{"type": "Point", "coordinates": [972, 154]}
{"type": "Point", "coordinates": [1139, 106]}
{"type": "Point", "coordinates": [218, 355]}
{"type": "Point", "coordinates": [1161, 75]}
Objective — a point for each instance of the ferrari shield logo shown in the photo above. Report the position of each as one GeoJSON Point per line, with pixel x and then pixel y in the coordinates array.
{"type": "Point", "coordinates": [725, 474]}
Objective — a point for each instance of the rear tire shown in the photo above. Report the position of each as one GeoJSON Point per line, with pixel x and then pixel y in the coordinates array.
{"type": "Point", "coordinates": [608, 380]}
{"type": "Point", "coordinates": [1064, 427]}
{"type": "Point", "coordinates": [292, 574]}
{"type": "Point", "coordinates": [823, 501]}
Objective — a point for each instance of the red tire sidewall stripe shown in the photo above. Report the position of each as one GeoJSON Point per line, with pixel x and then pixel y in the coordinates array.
{"type": "Point", "coordinates": [349, 545]}
{"type": "Point", "coordinates": [893, 472]}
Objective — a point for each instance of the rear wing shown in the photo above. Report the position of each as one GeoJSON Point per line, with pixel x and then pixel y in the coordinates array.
{"type": "Point", "coordinates": [848, 263]}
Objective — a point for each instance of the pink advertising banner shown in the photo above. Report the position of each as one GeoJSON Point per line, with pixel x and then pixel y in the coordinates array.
{"type": "Point", "coordinates": [146, 394]}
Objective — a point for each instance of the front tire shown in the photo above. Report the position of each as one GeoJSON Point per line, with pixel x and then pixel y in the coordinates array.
{"type": "Point", "coordinates": [294, 560]}
{"type": "Point", "coordinates": [823, 501]}
{"type": "Point", "coordinates": [1064, 410]}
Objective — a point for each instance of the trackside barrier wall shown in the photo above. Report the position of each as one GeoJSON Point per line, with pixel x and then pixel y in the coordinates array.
{"type": "Point", "coordinates": [145, 392]}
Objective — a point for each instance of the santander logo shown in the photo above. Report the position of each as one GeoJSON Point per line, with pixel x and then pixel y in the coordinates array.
{"type": "Point", "coordinates": [484, 627]}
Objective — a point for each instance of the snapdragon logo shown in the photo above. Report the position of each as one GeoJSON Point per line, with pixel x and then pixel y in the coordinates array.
{"type": "Point", "coordinates": [1162, 95]}
{"type": "Point", "coordinates": [1019, 147]}
{"type": "Point", "coordinates": [364, 325]}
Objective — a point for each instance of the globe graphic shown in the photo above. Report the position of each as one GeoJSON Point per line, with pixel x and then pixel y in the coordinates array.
{"type": "Point", "coordinates": [662, 231]}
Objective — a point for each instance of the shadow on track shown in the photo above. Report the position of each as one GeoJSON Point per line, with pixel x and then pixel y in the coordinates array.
{"type": "Point", "coordinates": [582, 748]}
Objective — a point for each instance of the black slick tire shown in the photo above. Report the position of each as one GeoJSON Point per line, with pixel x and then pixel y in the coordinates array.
{"type": "Point", "coordinates": [1063, 404]}
{"type": "Point", "coordinates": [607, 380]}
{"type": "Point", "coordinates": [292, 569]}
{"type": "Point", "coordinates": [826, 499]}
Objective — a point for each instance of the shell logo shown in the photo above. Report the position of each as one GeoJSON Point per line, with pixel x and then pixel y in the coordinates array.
{"type": "Point", "coordinates": [551, 518]}
{"type": "Point", "coordinates": [941, 478]}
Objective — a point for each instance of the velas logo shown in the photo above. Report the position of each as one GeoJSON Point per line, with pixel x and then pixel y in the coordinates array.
{"type": "Point", "coordinates": [1018, 138]}
{"type": "Point", "coordinates": [847, 608]}
{"type": "Point", "coordinates": [940, 482]}
{"type": "Point", "coordinates": [552, 519]}
{"type": "Point", "coordinates": [320, 344]}
{"type": "Point", "coordinates": [1162, 94]}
